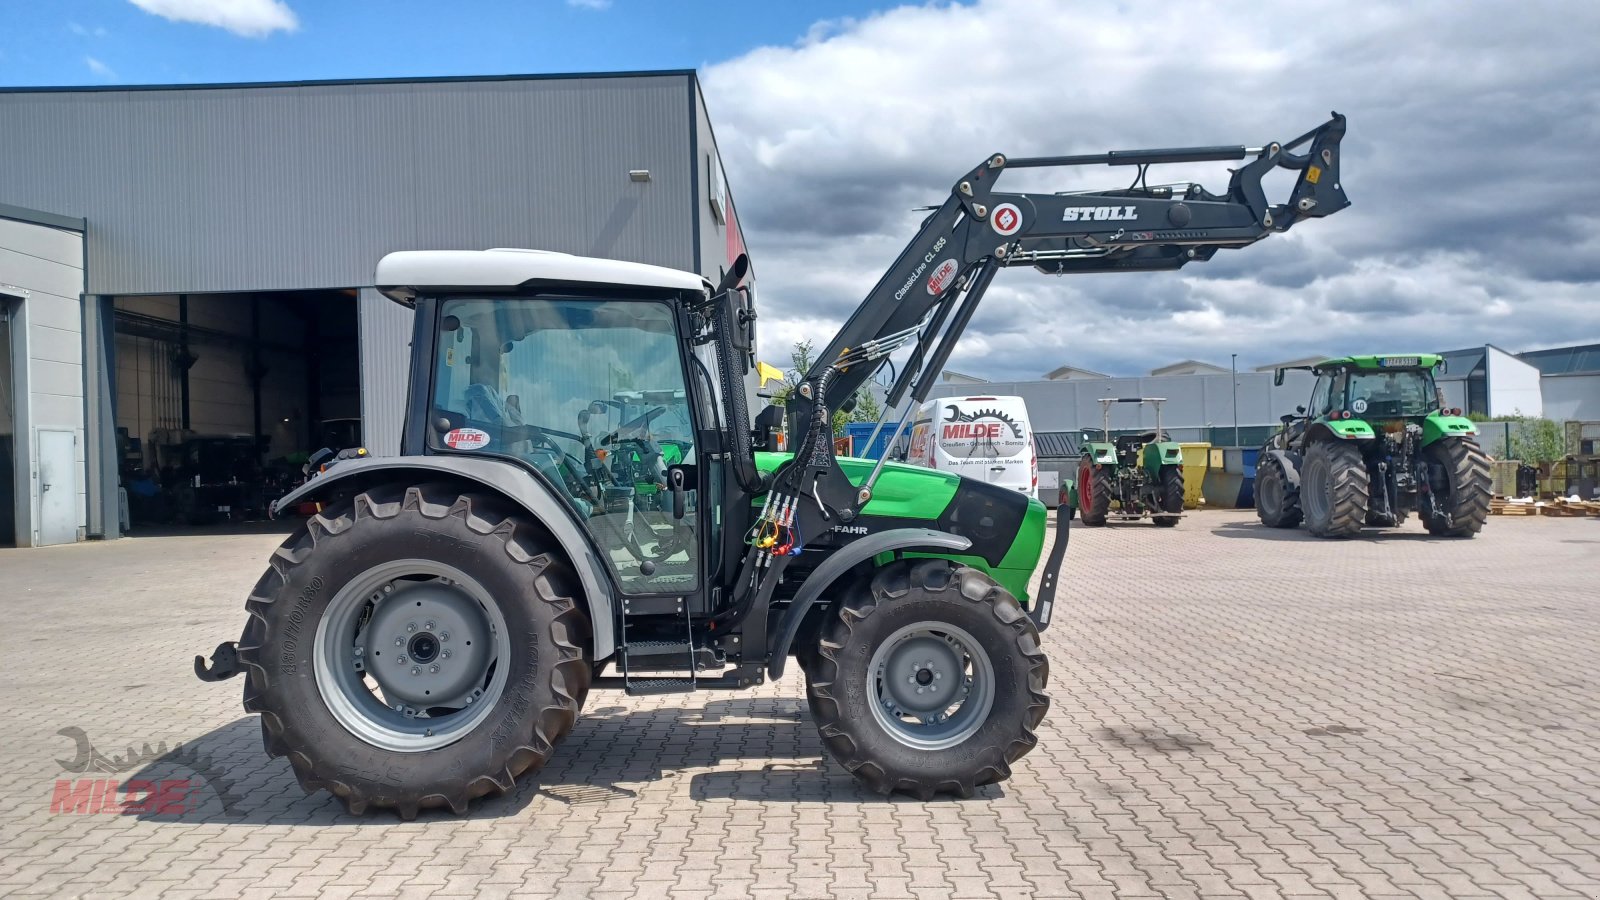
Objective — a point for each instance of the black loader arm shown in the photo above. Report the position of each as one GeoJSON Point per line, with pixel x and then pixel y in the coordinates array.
{"type": "Point", "coordinates": [927, 297]}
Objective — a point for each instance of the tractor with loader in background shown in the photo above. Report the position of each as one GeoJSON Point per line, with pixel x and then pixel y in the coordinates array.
{"type": "Point", "coordinates": [1376, 444]}
{"type": "Point", "coordinates": [432, 632]}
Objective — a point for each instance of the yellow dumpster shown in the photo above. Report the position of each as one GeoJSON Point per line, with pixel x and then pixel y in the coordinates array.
{"type": "Point", "coordinates": [1197, 458]}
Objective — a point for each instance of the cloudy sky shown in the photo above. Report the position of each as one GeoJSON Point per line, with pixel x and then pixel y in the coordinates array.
{"type": "Point", "coordinates": [1474, 139]}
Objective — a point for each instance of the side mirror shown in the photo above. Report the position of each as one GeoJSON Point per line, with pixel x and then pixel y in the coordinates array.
{"type": "Point", "coordinates": [1277, 378]}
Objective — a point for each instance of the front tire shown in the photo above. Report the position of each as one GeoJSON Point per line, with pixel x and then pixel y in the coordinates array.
{"type": "Point", "coordinates": [1171, 496]}
{"type": "Point", "coordinates": [1094, 492]}
{"type": "Point", "coordinates": [931, 680]}
{"type": "Point", "coordinates": [1458, 472]}
{"type": "Point", "coordinates": [1334, 489]}
{"type": "Point", "coordinates": [415, 648]}
{"type": "Point", "coordinates": [1277, 506]}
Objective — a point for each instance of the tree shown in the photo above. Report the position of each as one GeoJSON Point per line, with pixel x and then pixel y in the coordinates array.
{"type": "Point", "coordinates": [1537, 442]}
{"type": "Point", "coordinates": [800, 362]}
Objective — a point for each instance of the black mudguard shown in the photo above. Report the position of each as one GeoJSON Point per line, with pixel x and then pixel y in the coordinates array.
{"type": "Point", "coordinates": [843, 560]}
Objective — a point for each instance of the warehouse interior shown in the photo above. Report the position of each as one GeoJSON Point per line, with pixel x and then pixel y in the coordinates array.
{"type": "Point", "coordinates": [220, 398]}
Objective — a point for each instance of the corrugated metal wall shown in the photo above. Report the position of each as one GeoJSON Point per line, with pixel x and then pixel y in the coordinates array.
{"type": "Point", "coordinates": [385, 371]}
{"type": "Point", "coordinates": [265, 188]}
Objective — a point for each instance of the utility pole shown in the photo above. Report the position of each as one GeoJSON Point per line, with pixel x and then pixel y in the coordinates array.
{"type": "Point", "coordinates": [1234, 366]}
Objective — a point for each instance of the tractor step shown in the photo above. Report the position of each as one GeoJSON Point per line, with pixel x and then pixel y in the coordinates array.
{"type": "Point", "coordinates": [656, 656]}
{"type": "Point", "coordinates": [735, 680]}
{"type": "Point", "coordinates": [646, 686]}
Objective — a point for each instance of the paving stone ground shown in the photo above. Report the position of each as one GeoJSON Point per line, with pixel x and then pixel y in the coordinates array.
{"type": "Point", "coordinates": [1236, 713]}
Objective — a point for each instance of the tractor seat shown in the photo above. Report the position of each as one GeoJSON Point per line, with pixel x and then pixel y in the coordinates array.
{"type": "Point", "coordinates": [1129, 442]}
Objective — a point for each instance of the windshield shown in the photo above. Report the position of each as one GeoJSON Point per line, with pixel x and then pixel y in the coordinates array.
{"type": "Point", "coordinates": [1390, 394]}
{"type": "Point", "coordinates": [591, 394]}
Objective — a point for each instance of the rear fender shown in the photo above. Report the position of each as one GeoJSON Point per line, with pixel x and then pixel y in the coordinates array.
{"type": "Point", "coordinates": [1101, 453]}
{"type": "Point", "coordinates": [1339, 430]}
{"type": "Point", "coordinates": [1437, 428]}
{"type": "Point", "coordinates": [841, 562]}
{"type": "Point", "coordinates": [504, 479]}
{"type": "Point", "coordinates": [1162, 453]}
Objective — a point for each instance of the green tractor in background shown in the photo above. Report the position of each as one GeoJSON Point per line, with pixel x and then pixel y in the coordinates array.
{"type": "Point", "coordinates": [1376, 444]}
{"type": "Point", "coordinates": [1142, 473]}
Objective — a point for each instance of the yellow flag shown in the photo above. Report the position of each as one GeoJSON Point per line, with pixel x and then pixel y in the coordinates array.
{"type": "Point", "coordinates": [767, 373]}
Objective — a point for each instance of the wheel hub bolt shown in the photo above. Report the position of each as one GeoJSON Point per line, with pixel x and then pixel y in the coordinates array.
{"type": "Point", "coordinates": [416, 670]}
{"type": "Point", "coordinates": [444, 635]}
{"type": "Point", "coordinates": [445, 654]}
{"type": "Point", "coordinates": [433, 669]}
{"type": "Point", "coordinates": [400, 659]}
{"type": "Point", "coordinates": [399, 642]}
{"type": "Point", "coordinates": [428, 625]}
{"type": "Point", "coordinates": [411, 626]}
{"type": "Point", "coordinates": [920, 689]}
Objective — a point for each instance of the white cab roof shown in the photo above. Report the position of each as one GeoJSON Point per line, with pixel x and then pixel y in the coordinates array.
{"type": "Point", "coordinates": [409, 272]}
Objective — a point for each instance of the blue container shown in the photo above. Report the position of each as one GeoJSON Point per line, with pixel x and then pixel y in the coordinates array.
{"type": "Point", "coordinates": [859, 432]}
{"type": "Point", "coordinates": [1247, 493]}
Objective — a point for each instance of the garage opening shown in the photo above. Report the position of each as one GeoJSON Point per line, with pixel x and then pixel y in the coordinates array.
{"type": "Point", "coordinates": [220, 399]}
{"type": "Point", "coordinates": [8, 432]}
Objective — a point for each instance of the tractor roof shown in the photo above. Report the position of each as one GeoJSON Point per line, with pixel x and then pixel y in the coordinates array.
{"type": "Point", "coordinates": [403, 275]}
{"type": "Point", "coordinates": [1383, 361]}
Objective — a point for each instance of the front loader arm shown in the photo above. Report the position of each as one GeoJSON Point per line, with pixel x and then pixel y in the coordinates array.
{"type": "Point", "coordinates": [927, 297]}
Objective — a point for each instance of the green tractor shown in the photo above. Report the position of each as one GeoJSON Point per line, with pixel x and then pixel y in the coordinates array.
{"type": "Point", "coordinates": [1141, 472]}
{"type": "Point", "coordinates": [1376, 444]}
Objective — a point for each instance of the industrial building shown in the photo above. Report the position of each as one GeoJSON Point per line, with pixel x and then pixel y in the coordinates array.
{"type": "Point", "coordinates": [186, 300]}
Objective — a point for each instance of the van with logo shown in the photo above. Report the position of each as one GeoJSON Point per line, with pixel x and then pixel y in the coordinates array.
{"type": "Point", "coordinates": [982, 438]}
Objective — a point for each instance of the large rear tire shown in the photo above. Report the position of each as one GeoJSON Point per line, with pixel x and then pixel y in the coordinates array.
{"type": "Point", "coordinates": [1458, 472]}
{"type": "Point", "coordinates": [1171, 496]}
{"type": "Point", "coordinates": [1277, 505]}
{"type": "Point", "coordinates": [415, 648]}
{"type": "Point", "coordinates": [931, 680]}
{"type": "Point", "coordinates": [1334, 489]}
{"type": "Point", "coordinates": [1094, 492]}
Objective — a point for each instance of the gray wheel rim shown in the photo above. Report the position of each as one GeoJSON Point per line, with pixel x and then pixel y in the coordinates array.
{"type": "Point", "coordinates": [411, 655]}
{"type": "Point", "coordinates": [1314, 491]}
{"type": "Point", "coordinates": [931, 684]}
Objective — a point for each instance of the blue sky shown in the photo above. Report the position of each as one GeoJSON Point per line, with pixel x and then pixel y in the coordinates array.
{"type": "Point", "coordinates": [52, 43]}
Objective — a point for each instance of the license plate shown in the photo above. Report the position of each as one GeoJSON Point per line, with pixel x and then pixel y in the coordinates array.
{"type": "Point", "coordinates": [1398, 362]}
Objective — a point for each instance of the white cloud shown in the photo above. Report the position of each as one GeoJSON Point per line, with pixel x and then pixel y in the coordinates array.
{"type": "Point", "coordinates": [589, 4]}
{"type": "Point", "coordinates": [249, 18]}
{"type": "Point", "coordinates": [86, 31]}
{"type": "Point", "coordinates": [100, 69]}
{"type": "Point", "coordinates": [1469, 133]}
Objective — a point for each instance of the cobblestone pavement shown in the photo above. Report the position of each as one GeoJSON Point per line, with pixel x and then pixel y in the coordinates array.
{"type": "Point", "coordinates": [1237, 712]}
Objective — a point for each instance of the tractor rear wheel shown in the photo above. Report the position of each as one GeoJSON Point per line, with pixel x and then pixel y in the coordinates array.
{"type": "Point", "coordinates": [1171, 496]}
{"type": "Point", "coordinates": [1334, 489]}
{"type": "Point", "coordinates": [415, 648]}
{"type": "Point", "coordinates": [929, 680]}
{"type": "Point", "coordinates": [1277, 506]}
{"type": "Point", "coordinates": [1459, 487]}
{"type": "Point", "coordinates": [1094, 492]}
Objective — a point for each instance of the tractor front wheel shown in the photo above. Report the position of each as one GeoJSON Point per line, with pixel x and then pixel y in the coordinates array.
{"type": "Point", "coordinates": [1334, 489]}
{"type": "Point", "coordinates": [1171, 496]}
{"type": "Point", "coordinates": [1459, 486]}
{"type": "Point", "coordinates": [928, 680]}
{"type": "Point", "coordinates": [1277, 505]}
{"type": "Point", "coordinates": [1094, 492]}
{"type": "Point", "coordinates": [413, 648]}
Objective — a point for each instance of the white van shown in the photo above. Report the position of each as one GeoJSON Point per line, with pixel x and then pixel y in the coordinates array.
{"type": "Point", "coordinates": [982, 438]}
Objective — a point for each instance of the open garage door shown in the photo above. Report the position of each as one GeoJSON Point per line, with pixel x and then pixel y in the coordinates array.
{"type": "Point", "coordinates": [221, 398]}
